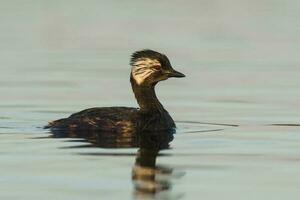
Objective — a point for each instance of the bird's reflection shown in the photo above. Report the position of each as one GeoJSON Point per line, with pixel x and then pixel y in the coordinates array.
{"type": "Point", "coordinates": [100, 138]}
{"type": "Point", "coordinates": [148, 178]}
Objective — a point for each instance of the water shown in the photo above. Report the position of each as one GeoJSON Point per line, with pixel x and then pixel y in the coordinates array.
{"type": "Point", "coordinates": [242, 66]}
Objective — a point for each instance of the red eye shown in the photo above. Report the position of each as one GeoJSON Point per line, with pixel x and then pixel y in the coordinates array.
{"type": "Point", "coordinates": [157, 67]}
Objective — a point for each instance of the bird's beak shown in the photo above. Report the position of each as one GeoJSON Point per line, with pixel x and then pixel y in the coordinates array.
{"type": "Point", "coordinates": [176, 74]}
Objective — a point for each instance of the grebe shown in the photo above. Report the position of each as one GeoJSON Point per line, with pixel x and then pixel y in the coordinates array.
{"type": "Point", "coordinates": [148, 68]}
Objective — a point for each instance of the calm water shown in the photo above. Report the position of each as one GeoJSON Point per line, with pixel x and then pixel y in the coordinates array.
{"type": "Point", "coordinates": [242, 64]}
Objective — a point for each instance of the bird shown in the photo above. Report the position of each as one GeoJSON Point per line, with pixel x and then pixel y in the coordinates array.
{"type": "Point", "coordinates": [148, 67]}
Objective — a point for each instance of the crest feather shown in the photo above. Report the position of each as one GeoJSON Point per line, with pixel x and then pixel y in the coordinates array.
{"type": "Point", "coordinates": [148, 53]}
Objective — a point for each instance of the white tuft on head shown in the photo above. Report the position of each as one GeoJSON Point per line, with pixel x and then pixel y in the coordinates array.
{"type": "Point", "coordinates": [143, 68]}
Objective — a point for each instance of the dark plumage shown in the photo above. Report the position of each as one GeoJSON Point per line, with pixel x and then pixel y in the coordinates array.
{"type": "Point", "coordinates": [148, 68]}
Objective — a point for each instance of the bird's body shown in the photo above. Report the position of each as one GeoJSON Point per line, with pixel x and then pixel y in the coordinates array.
{"type": "Point", "coordinates": [114, 119]}
{"type": "Point", "coordinates": [148, 68]}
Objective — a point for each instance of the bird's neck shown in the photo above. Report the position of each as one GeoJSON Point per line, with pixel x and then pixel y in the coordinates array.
{"type": "Point", "coordinates": [146, 97]}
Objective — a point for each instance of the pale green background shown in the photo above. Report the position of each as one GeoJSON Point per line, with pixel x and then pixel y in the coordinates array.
{"type": "Point", "coordinates": [242, 64]}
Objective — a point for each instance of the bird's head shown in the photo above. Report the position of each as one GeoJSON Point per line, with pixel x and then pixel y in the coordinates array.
{"type": "Point", "coordinates": [149, 67]}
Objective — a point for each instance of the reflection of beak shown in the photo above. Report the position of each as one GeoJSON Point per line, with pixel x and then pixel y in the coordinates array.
{"type": "Point", "coordinates": [176, 74]}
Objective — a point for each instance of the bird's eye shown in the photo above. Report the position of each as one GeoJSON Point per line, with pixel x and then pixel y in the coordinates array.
{"type": "Point", "coordinates": [157, 67]}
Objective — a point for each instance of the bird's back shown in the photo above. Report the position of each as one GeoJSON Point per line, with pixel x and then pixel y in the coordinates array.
{"type": "Point", "coordinates": [112, 119]}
